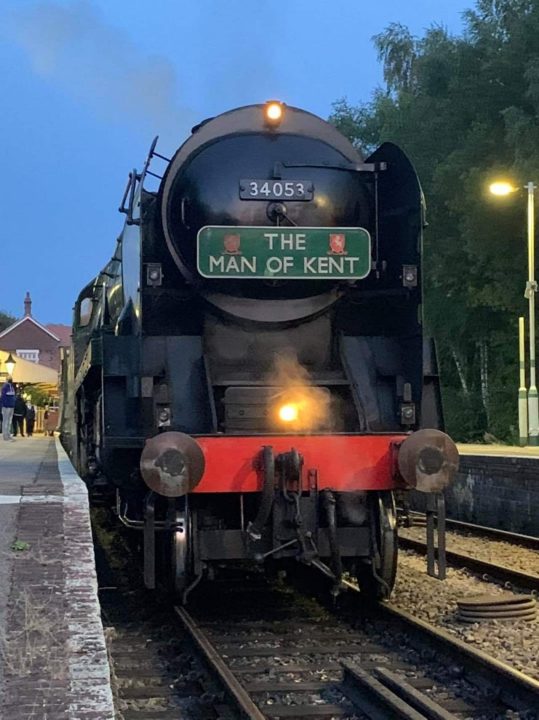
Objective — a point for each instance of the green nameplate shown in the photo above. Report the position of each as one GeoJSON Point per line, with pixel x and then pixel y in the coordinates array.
{"type": "Point", "coordinates": [283, 253]}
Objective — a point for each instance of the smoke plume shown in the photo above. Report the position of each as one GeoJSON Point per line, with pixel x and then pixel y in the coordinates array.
{"type": "Point", "coordinates": [72, 46]}
{"type": "Point", "coordinates": [296, 389]}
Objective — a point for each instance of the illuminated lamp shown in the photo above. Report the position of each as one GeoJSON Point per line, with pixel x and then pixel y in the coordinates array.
{"type": "Point", "coordinates": [273, 112]}
{"type": "Point", "coordinates": [10, 365]}
{"type": "Point", "coordinates": [502, 187]}
{"type": "Point", "coordinates": [528, 414]}
{"type": "Point", "coordinates": [288, 413]}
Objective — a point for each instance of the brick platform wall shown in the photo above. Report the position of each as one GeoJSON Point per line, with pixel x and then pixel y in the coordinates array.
{"type": "Point", "coordinates": [501, 492]}
{"type": "Point", "coordinates": [53, 648]}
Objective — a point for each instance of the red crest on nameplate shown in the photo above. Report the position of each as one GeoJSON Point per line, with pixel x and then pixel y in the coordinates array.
{"type": "Point", "coordinates": [337, 242]}
{"type": "Point", "coordinates": [232, 243]}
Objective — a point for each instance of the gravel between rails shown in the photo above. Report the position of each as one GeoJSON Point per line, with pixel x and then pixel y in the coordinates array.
{"type": "Point", "coordinates": [435, 601]}
{"type": "Point", "coordinates": [499, 552]}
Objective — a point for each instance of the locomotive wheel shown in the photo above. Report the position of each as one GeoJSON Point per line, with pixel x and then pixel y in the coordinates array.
{"type": "Point", "coordinates": [377, 578]}
{"type": "Point", "coordinates": [181, 552]}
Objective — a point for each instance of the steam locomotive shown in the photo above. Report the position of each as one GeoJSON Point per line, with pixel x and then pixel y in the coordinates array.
{"type": "Point", "coordinates": [249, 371]}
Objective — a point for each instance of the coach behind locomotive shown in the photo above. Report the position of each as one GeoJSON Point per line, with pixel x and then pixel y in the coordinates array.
{"type": "Point", "coordinates": [249, 368]}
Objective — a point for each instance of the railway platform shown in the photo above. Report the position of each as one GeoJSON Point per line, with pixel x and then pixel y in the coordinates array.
{"type": "Point", "coordinates": [511, 451]}
{"type": "Point", "coordinates": [54, 661]}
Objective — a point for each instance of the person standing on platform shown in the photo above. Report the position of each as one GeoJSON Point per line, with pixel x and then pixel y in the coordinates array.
{"type": "Point", "coordinates": [8, 405]}
{"type": "Point", "coordinates": [30, 419]}
{"type": "Point", "coordinates": [19, 413]}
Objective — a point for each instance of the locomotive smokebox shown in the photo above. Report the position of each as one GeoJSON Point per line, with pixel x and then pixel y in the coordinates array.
{"type": "Point", "coordinates": [428, 460]}
{"type": "Point", "coordinates": [172, 464]}
{"type": "Point", "coordinates": [246, 173]}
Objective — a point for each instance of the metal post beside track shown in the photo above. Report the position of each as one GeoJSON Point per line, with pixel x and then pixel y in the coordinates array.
{"type": "Point", "coordinates": [436, 557]}
{"type": "Point", "coordinates": [149, 542]}
{"type": "Point", "coordinates": [531, 289]}
{"type": "Point", "coordinates": [522, 391]}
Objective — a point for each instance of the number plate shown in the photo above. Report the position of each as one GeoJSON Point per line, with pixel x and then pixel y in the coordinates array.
{"type": "Point", "coordinates": [276, 189]}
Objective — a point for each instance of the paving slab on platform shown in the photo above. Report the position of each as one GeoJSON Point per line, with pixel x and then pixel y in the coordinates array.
{"type": "Point", "coordinates": [52, 646]}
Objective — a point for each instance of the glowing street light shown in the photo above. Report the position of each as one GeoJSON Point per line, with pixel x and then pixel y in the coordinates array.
{"type": "Point", "coordinates": [10, 365]}
{"type": "Point", "coordinates": [504, 188]}
{"type": "Point", "coordinates": [501, 187]}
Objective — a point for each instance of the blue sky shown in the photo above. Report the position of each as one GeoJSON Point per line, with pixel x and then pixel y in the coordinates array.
{"type": "Point", "coordinates": [85, 85]}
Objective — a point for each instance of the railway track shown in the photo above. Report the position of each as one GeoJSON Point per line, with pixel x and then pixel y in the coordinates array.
{"type": "Point", "coordinates": [157, 672]}
{"type": "Point", "coordinates": [461, 558]}
{"type": "Point", "coordinates": [499, 572]}
{"type": "Point", "coordinates": [482, 530]}
{"type": "Point", "coordinates": [301, 664]}
{"type": "Point", "coordinates": [263, 651]}
{"type": "Point", "coordinates": [326, 669]}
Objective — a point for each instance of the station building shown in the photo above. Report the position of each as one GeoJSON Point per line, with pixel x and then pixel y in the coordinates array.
{"type": "Point", "coordinates": [30, 340]}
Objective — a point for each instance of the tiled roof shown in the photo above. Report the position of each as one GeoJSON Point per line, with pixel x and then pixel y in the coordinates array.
{"type": "Point", "coordinates": [29, 319]}
{"type": "Point", "coordinates": [63, 332]}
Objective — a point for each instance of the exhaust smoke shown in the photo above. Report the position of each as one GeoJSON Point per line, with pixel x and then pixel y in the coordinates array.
{"type": "Point", "coordinates": [298, 405]}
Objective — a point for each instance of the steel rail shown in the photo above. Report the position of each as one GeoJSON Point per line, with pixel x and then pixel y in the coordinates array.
{"type": "Point", "coordinates": [499, 572]}
{"type": "Point", "coordinates": [495, 533]}
{"type": "Point", "coordinates": [513, 687]}
{"type": "Point", "coordinates": [387, 695]}
{"type": "Point", "coordinates": [380, 694]}
{"type": "Point", "coordinates": [231, 685]}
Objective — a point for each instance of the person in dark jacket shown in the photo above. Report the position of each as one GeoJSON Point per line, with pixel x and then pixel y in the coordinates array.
{"type": "Point", "coordinates": [8, 404]}
{"type": "Point", "coordinates": [30, 419]}
{"type": "Point", "coordinates": [19, 413]}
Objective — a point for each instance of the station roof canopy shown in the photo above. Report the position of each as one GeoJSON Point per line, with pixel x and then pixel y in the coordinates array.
{"type": "Point", "coordinates": [28, 372]}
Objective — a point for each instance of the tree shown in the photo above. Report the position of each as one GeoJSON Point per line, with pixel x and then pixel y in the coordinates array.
{"type": "Point", "coordinates": [465, 108]}
{"type": "Point", "coordinates": [397, 51]}
{"type": "Point", "coordinates": [6, 320]}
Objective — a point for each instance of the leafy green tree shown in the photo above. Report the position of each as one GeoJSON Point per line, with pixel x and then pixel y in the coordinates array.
{"type": "Point", "coordinates": [397, 51]}
{"type": "Point", "coordinates": [39, 394]}
{"type": "Point", "coordinates": [6, 320]}
{"type": "Point", "coordinates": [465, 109]}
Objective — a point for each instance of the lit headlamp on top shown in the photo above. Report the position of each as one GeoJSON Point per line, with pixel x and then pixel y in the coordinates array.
{"type": "Point", "coordinates": [273, 112]}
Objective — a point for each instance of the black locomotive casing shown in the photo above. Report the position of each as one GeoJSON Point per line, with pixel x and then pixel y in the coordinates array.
{"type": "Point", "coordinates": [238, 324]}
{"type": "Point", "coordinates": [366, 332]}
{"type": "Point", "coordinates": [157, 347]}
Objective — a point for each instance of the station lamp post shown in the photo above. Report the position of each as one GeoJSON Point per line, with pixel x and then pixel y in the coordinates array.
{"type": "Point", "coordinates": [10, 365]}
{"type": "Point", "coordinates": [505, 188]}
